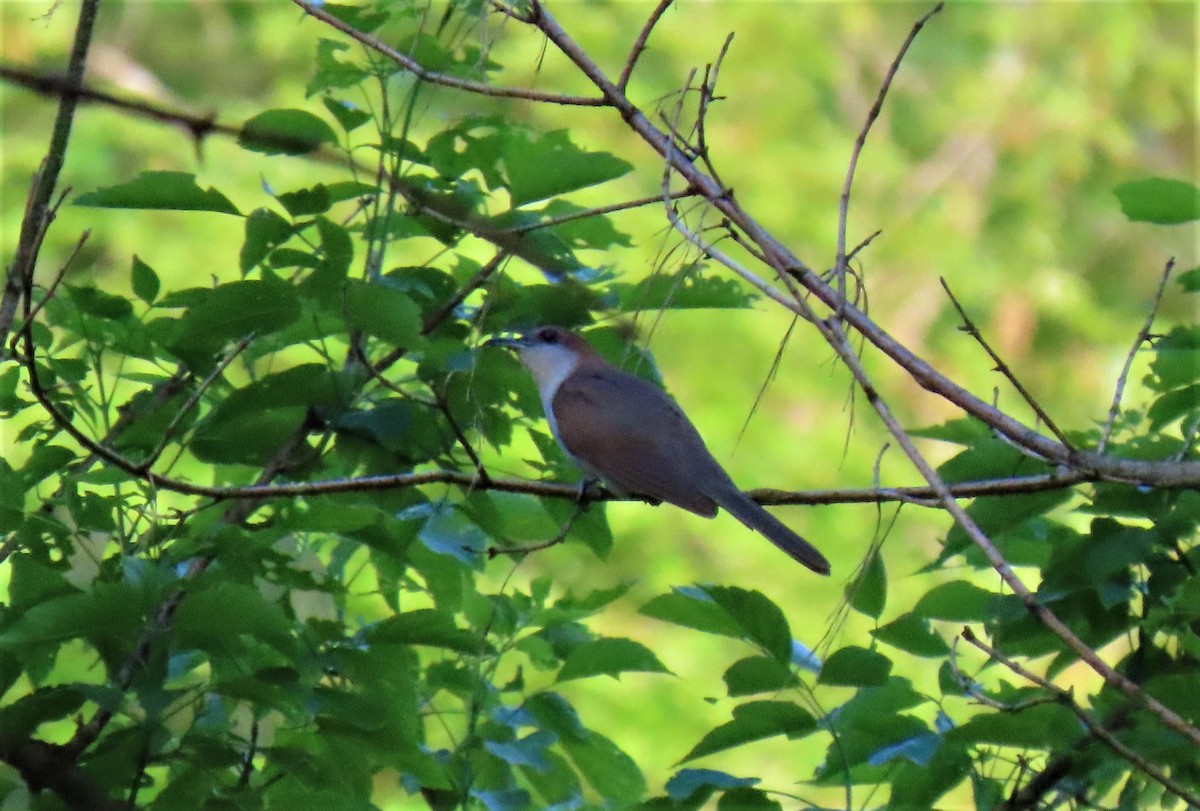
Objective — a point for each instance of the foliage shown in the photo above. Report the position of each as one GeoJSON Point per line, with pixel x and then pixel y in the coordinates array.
{"type": "Point", "coordinates": [254, 559]}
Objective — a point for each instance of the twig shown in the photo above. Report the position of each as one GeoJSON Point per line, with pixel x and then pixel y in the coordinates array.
{"type": "Point", "coordinates": [639, 44]}
{"type": "Point", "coordinates": [1142, 336]}
{"type": "Point", "coordinates": [52, 289]}
{"type": "Point", "coordinates": [1066, 698]}
{"type": "Point", "coordinates": [37, 210]}
{"type": "Point", "coordinates": [169, 431]}
{"type": "Point", "coordinates": [417, 69]}
{"type": "Point", "coordinates": [860, 142]}
{"type": "Point", "coordinates": [1004, 369]}
{"type": "Point", "coordinates": [559, 537]}
{"type": "Point", "coordinates": [550, 222]}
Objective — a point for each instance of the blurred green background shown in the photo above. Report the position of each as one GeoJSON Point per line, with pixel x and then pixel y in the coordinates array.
{"type": "Point", "coordinates": [992, 166]}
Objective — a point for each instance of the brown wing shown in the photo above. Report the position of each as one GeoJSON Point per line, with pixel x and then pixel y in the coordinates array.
{"type": "Point", "coordinates": [633, 436]}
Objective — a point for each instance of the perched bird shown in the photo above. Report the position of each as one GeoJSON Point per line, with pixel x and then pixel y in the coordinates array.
{"type": "Point", "coordinates": [626, 432]}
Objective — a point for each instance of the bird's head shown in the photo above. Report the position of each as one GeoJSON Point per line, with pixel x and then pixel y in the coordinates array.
{"type": "Point", "coordinates": [550, 353]}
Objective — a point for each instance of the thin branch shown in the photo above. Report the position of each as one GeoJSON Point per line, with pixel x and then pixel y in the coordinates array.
{"type": "Point", "coordinates": [550, 222]}
{"type": "Point", "coordinates": [860, 142]}
{"type": "Point", "coordinates": [639, 45]}
{"type": "Point", "coordinates": [1004, 369]}
{"type": "Point", "coordinates": [1066, 698]}
{"type": "Point", "coordinates": [169, 431]}
{"type": "Point", "coordinates": [1142, 336]}
{"type": "Point", "coordinates": [417, 69]}
{"type": "Point", "coordinates": [559, 537]}
{"type": "Point", "coordinates": [37, 209]}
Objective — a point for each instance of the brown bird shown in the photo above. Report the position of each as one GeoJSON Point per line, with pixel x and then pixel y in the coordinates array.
{"type": "Point", "coordinates": [626, 432]}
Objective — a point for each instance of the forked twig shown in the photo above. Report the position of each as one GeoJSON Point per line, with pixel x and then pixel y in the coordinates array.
{"type": "Point", "coordinates": [1065, 698]}
{"type": "Point", "coordinates": [639, 44]}
{"type": "Point", "coordinates": [1142, 336]}
{"type": "Point", "coordinates": [1003, 368]}
{"type": "Point", "coordinates": [860, 142]}
{"type": "Point", "coordinates": [560, 536]}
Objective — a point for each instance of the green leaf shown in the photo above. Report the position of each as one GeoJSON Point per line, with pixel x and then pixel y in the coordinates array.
{"type": "Point", "coordinates": [1189, 280]}
{"type": "Point", "coordinates": [348, 116]}
{"type": "Point", "coordinates": [265, 231]}
{"type": "Point", "coordinates": [542, 167]}
{"type": "Point", "coordinates": [912, 634]}
{"type": "Point", "coordinates": [692, 608]}
{"type": "Point", "coordinates": [1159, 200]}
{"type": "Point", "coordinates": [332, 72]}
{"type": "Point", "coordinates": [856, 667]}
{"type": "Point", "coordinates": [609, 657]}
{"type": "Point", "coordinates": [168, 191]}
{"type": "Point", "coordinates": [1173, 405]}
{"type": "Point", "coordinates": [755, 721]}
{"type": "Point", "coordinates": [21, 718]}
{"type": "Point", "coordinates": [687, 289]}
{"type": "Point", "coordinates": [302, 202]}
{"type": "Point", "coordinates": [425, 626]}
{"type": "Point", "coordinates": [686, 783]}
{"type": "Point", "coordinates": [747, 799]}
{"type": "Point", "coordinates": [757, 674]}
{"type": "Point", "coordinates": [958, 600]}
{"type": "Point", "coordinates": [868, 593]}
{"type": "Point", "coordinates": [46, 460]}
{"type": "Point", "coordinates": [144, 281]}
{"type": "Point", "coordinates": [762, 622]}
{"type": "Point", "coordinates": [1039, 726]}
{"type": "Point", "coordinates": [383, 312]}
{"type": "Point", "coordinates": [208, 616]}
{"type": "Point", "coordinates": [285, 132]}
{"type": "Point", "coordinates": [95, 301]}
{"type": "Point", "coordinates": [234, 310]}
{"type": "Point", "coordinates": [611, 772]}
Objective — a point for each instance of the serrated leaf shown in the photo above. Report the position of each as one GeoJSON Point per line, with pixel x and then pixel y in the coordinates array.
{"type": "Point", "coordinates": [912, 634]}
{"type": "Point", "coordinates": [757, 674]}
{"type": "Point", "coordinates": [167, 191]}
{"type": "Point", "coordinates": [612, 773]}
{"type": "Point", "coordinates": [144, 281]}
{"type": "Point", "coordinates": [208, 615]}
{"type": "Point", "coordinates": [853, 666]}
{"type": "Point", "coordinates": [958, 600]}
{"type": "Point", "coordinates": [609, 657]}
{"type": "Point", "coordinates": [1159, 200]}
{"type": "Point", "coordinates": [692, 608]}
{"type": "Point", "coordinates": [383, 312]}
{"type": "Point", "coordinates": [99, 303]}
{"type": "Point", "coordinates": [545, 166]}
{"type": "Point", "coordinates": [761, 620]}
{"type": "Point", "coordinates": [285, 132]}
{"type": "Point", "coordinates": [755, 721]}
{"type": "Point", "coordinates": [348, 116]}
{"type": "Point", "coordinates": [265, 230]}
{"type": "Point", "coordinates": [425, 626]}
{"type": "Point", "coordinates": [685, 290]}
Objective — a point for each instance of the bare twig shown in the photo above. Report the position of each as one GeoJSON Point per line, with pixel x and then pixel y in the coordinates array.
{"type": "Point", "coordinates": [559, 537]}
{"type": "Point", "coordinates": [639, 44]}
{"type": "Point", "coordinates": [417, 69]}
{"type": "Point", "coordinates": [1067, 699]}
{"type": "Point", "coordinates": [968, 326]}
{"type": "Point", "coordinates": [860, 142]}
{"type": "Point", "coordinates": [1142, 336]}
{"type": "Point", "coordinates": [550, 222]}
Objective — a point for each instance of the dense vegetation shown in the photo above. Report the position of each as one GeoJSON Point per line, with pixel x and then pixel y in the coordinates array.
{"type": "Point", "coordinates": [278, 532]}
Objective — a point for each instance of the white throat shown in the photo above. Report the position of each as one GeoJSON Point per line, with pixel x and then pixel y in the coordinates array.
{"type": "Point", "coordinates": [550, 365]}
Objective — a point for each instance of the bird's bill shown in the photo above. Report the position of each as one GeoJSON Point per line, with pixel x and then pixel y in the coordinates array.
{"type": "Point", "coordinates": [507, 341]}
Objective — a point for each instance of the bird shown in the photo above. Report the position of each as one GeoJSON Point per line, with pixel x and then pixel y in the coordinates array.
{"type": "Point", "coordinates": [628, 433]}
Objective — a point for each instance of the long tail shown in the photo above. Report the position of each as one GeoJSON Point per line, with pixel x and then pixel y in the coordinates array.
{"type": "Point", "coordinates": [739, 505]}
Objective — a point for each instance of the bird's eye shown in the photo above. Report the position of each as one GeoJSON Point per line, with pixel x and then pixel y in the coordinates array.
{"type": "Point", "coordinates": [547, 336]}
